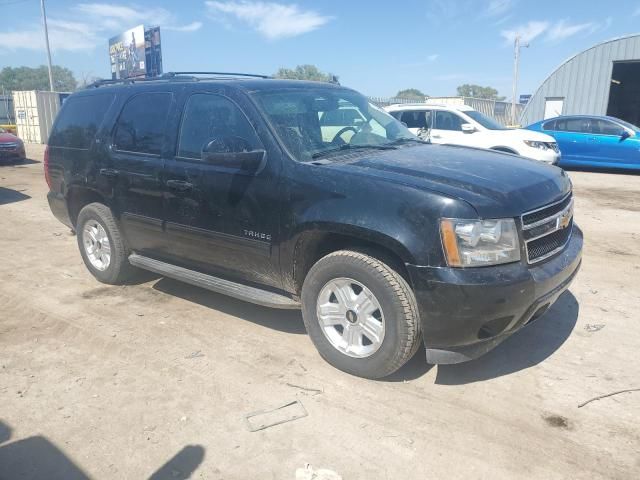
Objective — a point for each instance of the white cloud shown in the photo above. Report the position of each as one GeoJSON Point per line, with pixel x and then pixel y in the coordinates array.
{"type": "Point", "coordinates": [497, 8]}
{"type": "Point", "coordinates": [273, 20]}
{"type": "Point", "coordinates": [450, 76]}
{"type": "Point", "coordinates": [562, 30]}
{"type": "Point", "coordinates": [527, 32]}
{"type": "Point", "coordinates": [636, 12]}
{"type": "Point", "coordinates": [190, 27]}
{"type": "Point", "coordinates": [94, 23]}
{"type": "Point", "coordinates": [433, 57]}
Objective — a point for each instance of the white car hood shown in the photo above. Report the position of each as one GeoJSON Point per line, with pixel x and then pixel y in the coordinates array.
{"type": "Point", "coordinates": [519, 134]}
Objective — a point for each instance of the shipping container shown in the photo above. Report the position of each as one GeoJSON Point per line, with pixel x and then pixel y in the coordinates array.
{"type": "Point", "coordinates": [6, 109]}
{"type": "Point", "coordinates": [34, 114]}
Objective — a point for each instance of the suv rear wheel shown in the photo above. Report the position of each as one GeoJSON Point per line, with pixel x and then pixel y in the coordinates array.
{"type": "Point", "coordinates": [101, 244]}
{"type": "Point", "coordinates": [360, 314]}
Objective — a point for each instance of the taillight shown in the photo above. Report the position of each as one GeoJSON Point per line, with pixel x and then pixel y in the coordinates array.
{"type": "Point", "coordinates": [47, 177]}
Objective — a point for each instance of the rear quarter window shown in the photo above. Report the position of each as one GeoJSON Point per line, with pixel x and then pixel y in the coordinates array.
{"type": "Point", "coordinates": [79, 120]}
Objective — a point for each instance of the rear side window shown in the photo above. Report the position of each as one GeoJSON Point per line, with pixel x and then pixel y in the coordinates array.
{"type": "Point", "coordinates": [549, 125]}
{"type": "Point", "coordinates": [577, 125]}
{"type": "Point", "coordinates": [140, 128]}
{"type": "Point", "coordinates": [80, 120]}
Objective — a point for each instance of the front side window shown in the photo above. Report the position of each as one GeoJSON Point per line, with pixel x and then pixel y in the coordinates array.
{"type": "Point", "coordinates": [605, 127]}
{"type": "Point", "coordinates": [576, 125]}
{"type": "Point", "coordinates": [550, 125]}
{"type": "Point", "coordinates": [448, 121]}
{"type": "Point", "coordinates": [140, 127]}
{"type": "Point", "coordinates": [210, 118]}
{"type": "Point", "coordinates": [301, 118]}
{"type": "Point", "coordinates": [80, 120]}
{"type": "Point", "coordinates": [486, 122]}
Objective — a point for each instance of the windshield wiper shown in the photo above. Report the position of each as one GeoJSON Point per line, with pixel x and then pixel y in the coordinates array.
{"type": "Point", "coordinates": [406, 139]}
{"type": "Point", "coordinates": [348, 146]}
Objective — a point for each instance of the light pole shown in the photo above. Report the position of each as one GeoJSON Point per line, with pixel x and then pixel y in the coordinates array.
{"type": "Point", "coordinates": [46, 38]}
{"type": "Point", "coordinates": [516, 60]}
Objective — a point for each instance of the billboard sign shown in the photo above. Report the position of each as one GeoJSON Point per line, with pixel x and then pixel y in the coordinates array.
{"type": "Point", "coordinates": [153, 52]}
{"type": "Point", "coordinates": [127, 54]}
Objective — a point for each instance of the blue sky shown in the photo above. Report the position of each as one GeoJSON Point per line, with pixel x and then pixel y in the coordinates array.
{"type": "Point", "coordinates": [376, 47]}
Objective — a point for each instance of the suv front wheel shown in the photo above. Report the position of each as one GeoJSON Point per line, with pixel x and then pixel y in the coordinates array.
{"type": "Point", "coordinates": [102, 245]}
{"type": "Point", "coordinates": [360, 314]}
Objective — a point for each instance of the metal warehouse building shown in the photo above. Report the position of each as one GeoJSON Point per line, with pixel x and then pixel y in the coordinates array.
{"type": "Point", "coordinates": [603, 80]}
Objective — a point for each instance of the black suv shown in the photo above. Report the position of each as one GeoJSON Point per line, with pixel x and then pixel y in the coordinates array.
{"type": "Point", "coordinates": [295, 194]}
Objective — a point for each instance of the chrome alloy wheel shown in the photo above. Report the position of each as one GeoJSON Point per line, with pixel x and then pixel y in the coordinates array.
{"type": "Point", "coordinates": [350, 317]}
{"type": "Point", "coordinates": [96, 245]}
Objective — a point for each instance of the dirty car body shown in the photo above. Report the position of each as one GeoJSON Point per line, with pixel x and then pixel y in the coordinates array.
{"type": "Point", "coordinates": [483, 241]}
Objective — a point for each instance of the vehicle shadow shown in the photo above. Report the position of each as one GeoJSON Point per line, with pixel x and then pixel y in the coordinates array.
{"type": "Point", "coordinates": [37, 458]}
{"type": "Point", "coordinates": [287, 321]}
{"type": "Point", "coordinates": [8, 195]}
{"type": "Point", "coordinates": [524, 349]}
{"type": "Point", "coordinates": [26, 161]}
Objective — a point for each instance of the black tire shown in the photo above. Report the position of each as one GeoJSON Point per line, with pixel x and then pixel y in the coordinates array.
{"type": "Point", "coordinates": [397, 301]}
{"type": "Point", "coordinates": [119, 268]}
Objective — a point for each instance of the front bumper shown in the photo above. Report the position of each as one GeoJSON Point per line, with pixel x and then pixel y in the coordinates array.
{"type": "Point", "coordinates": [12, 155]}
{"type": "Point", "coordinates": [547, 156]}
{"type": "Point", "coordinates": [467, 312]}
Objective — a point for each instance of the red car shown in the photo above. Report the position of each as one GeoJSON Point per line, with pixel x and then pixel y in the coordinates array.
{"type": "Point", "coordinates": [11, 147]}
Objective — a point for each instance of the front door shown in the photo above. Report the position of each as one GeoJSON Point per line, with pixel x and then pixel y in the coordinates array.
{"type": "Point", "coordinates": [133, 169]}
{"type": "Point", "coordinates": [222, 217]}
{"type": "Point", "coordinates": [447, 128]}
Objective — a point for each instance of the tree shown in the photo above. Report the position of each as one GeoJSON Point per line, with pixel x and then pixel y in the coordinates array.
{"type": "Point", "coordinates": [411, 93]}
{"type": "Point", "coordinates": [476, 91]}
{"type": "Point", "coordinates": [305, 72]}
{"type": "Point", "coordinates": [27, 78]}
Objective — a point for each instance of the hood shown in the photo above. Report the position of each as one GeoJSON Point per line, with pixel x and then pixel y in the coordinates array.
{"type": "Point", "coordinates": [495, 184]}
{"type": "Point", "coordinates": [8, 138]}
{"type": "Point", "coordinates": [523, 134]}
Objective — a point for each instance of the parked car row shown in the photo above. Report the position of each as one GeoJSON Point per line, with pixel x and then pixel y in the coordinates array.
{"type": "Point", "coordinates": [578, 140]}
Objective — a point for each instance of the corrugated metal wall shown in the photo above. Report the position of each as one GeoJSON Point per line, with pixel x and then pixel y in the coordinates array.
{"type": "Point", "coordinates": [34, 113]}
{"type": "Point", "coordinates": [583, 81]}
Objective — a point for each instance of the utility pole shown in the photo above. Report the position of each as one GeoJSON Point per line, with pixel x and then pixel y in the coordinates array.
{"type": "Point", "coordinates": [516, 61]}
{"type": "Point", "coordinates": [46, 38]}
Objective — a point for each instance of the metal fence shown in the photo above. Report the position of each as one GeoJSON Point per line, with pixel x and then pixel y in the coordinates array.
{"type": "Point", "coordinates": [386, 101]}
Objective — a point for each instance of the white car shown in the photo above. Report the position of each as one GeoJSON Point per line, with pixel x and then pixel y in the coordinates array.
{"type": "Point", "coordinates": [462, 125]}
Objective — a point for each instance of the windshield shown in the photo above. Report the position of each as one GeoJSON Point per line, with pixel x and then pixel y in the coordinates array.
{"type": "Point", "coordinates": [485, 121]}
{"type": "Point", "coordinates": [311, 122]}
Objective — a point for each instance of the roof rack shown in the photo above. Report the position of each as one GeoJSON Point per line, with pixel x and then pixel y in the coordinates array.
{"type": "Point", "coordinates": [171, 76]}
{"type": "Point", "coordinates": [224, 74]}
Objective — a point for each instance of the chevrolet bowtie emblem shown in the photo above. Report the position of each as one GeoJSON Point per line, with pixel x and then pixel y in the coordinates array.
{"type": "Point", "coordinates": [564, 220]}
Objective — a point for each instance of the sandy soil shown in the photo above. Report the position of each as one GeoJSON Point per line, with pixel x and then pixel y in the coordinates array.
{"type": "Point", "coordinates": [154, 379]}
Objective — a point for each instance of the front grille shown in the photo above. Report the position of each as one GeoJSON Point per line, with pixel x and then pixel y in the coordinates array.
{"type": "Point", "coordinates": [8, 146]}
{"type": "Point", "coordinates": [547, 230]}
{"type": "Point", "coordinates": [545, 212]}
{"type": "Point", "coordinates": [543, 246]}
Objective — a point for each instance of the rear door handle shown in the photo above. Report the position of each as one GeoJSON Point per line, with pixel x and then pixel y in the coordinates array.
{"type": "Point", "coordinates": [179, 185]}
{"type": "Point", "coordinates": [109, 172]}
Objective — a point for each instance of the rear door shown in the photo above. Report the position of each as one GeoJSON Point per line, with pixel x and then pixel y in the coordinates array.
{"type": "Point", "coordinates": [134, 167]}
{"type": "Point", "coordinates": [575, 139]}
{"type": "Point", "coordinates": [223, 218]}
{"type": "Point", "coordinates": [416, 120]}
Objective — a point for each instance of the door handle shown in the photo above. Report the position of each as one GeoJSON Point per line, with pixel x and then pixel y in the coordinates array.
{"type": "Point", "coordinates": [109, 172]}
{"type": "Point", "coordinates": [179, 185]}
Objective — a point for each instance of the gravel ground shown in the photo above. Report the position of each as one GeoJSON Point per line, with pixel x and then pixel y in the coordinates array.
{"type": "Point", "coordinates": [155, 379]}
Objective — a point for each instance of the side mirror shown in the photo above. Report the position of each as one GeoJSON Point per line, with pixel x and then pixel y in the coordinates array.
{"type": "Point", "coordinates": [467, 128]}
{"type": "Point", "coordinates": [624, 135]}
{"type": "Point", "coordinates": [234, 153]}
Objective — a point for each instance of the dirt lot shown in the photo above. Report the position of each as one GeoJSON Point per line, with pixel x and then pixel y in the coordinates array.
{"type": "Point", "coordinates": [121, 382]}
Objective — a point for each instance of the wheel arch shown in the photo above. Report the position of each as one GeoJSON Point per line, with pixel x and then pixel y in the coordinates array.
{"type": "Point", "coordinates": [313, 244]}
{"type": "Point", "coordinates": [79, 196]}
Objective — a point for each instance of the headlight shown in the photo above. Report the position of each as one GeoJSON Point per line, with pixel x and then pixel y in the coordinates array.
{"type": "Point", "coordinates": [534, 144]}
{"type": "Point", "coordinates": [477, 243]}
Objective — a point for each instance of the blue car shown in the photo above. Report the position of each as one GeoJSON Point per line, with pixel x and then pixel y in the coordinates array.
{"type": "Point", "coordinates": [591, 141]}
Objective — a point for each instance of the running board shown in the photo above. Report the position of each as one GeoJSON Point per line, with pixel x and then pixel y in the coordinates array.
{"type": "Point", "coordinates": [215, 284]}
